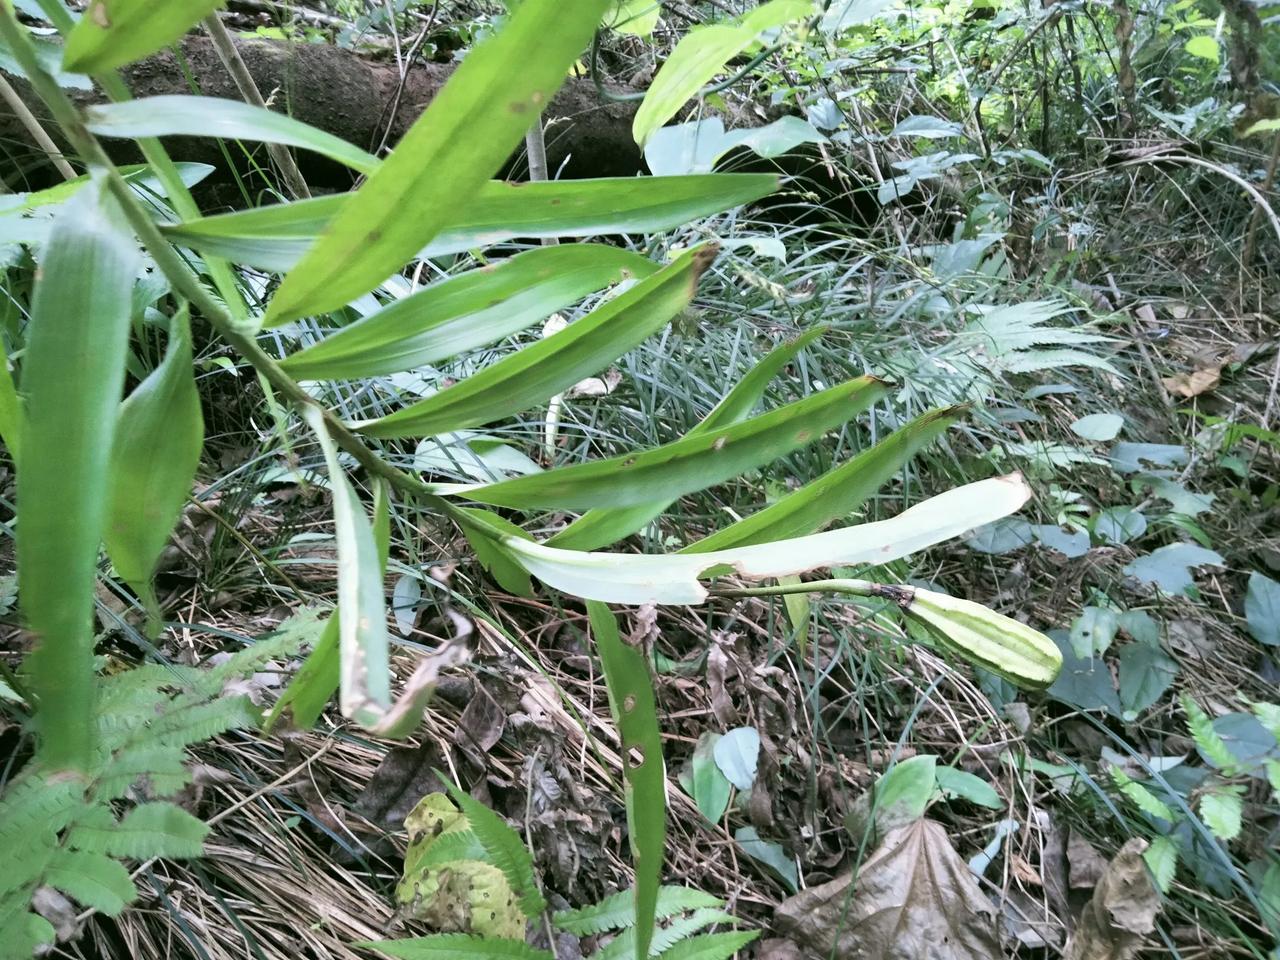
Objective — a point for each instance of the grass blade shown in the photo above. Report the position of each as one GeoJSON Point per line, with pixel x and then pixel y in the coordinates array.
{"type": "Point", "coordinates": [466, 133]}
{"type": "Point", "coordinates": [688, 464]}
{"type": "Point", "coordinates": [112, 33]}
{"type": "Point", "coordinates": [157, 449]}
{"type": "Point", "coordinates": [635, 711]}
{"type": "Point", "coordinates": [468, 311]}
{"type": "Point", "coordinates": [275, 237]}
{"type": "Point", "coordinates": [11, 414]}
{"type": "Point", "coordinates": [172, 116]}
{"type": "Point", "coordinates": [837, 493]}
{"type": "Point", "coordinates": [554, 363]}
{"type": "Point", "coordinates": [605, 525]}
{"type": "Point", "coordinates": [73, 376]}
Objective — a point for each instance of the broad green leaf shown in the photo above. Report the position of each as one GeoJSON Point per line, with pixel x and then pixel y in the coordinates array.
{"type": "Point", "coordinates": [479, 527]}
{"type": "Point", "coordinates": [467, 132]}
{"type": "Point", "coordinates": [1169, 567]}
{"type": "Point", "coordinates": [736, 754]}
{"type": "Point", "coordinates": [365, 687]}
{"type": "Point", "coordinates": [153, 462]}
{"type": "Point", "coordinates": [1204, 47]}
{"type": "Point", "coordinates": [770, 855]}
{"type": "Point", "coordinates": [631, 699]}
{"type": "Point", "coordinates": [898, 798]}
{"type": "Point", "coordinates": [1222, 810]}
{"type": "Point", "coordinates": [1099, 427]}
{"type": "Point", "coordinates": [1146, 672]}
{"type": "Point", "coordinates": [1162, 860]}
{"type": "Point", "coordinates": [672, 578]}
{"type": "Point", "coordinates": [710, 787]}
{"type": "Point", "coordinates": [275, 237]}
{"type": "Point", "coordinates": [73, 377]}
{"type": "Point", "coordinates": [636, 18]}
{"type": "Point", "coordinates": [955, 782]}
{"type": "Point", "coordinates": [604, 525]}
{"type": "Point", "coordinates": [1093, 631]}
{"type": "Point", "coordinates": [112, 33]}
{"type": "Point", "coordinates": [837, 493]}
{"type": "Point", "coordinates": [554, 363]}
{"type": "Point", "coordinates": [1261, 609]}
{"type": "Point", "coordinates": [471, 310]}
{"type": "Point", "coordinates": [456, 946]}
{"type": "Point", "coordinates": [700, 55]}
{"type": "Point", "coordinates": [11, 415]}
{"type": "Point", "coordinates": [172, 116]}
{"type": "Point", "coordinates": [49, 55]}
{"type": "Point", "coordinates": [689, 464]}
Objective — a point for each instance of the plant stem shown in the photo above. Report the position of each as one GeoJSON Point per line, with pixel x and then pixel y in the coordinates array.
{"type": "Point", "coordinates": [226, 50]}
{"type": "Point", "coordinates": [38, 133]}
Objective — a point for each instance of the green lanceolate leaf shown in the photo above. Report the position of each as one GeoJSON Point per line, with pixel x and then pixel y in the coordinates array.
{"type": "Point", "coordinates": [467, 311]}
{"type": "Point", "coordinates": [456, 946]}
{"type": "Point", "coordinates": [635, 712]}
{"type": "Point", "coordinates": [153, 462]}
{"type": "Point", "coordinates": [674, 578]}
{"type": "Point", "coordinates": [112, 33]}
{"type": "Point", "coordinates": [311, 688]}
{"type": "Point", "coordinates": [837, 493]}
{"type": "Point", "coordinates": [603, 526]}
{"type": "Point", "coordinates": [700, 55]}
{"type": "Point", "coordinates": [275, 237]}
{"type": "Point", "coordinates": [466, 133]}
{"type": "Point", "coordinates": [554, 363]}
{"type": "Point", "coordinates": [688, 464]}
{"type": "Point", "coordinates": [362, 614]}
{"type": "Point", "coordinates": [213, 117]}
{"type": "Point", "coordinates": [73, 376]}
{"type": "Point", "coordinates": [11, 415]}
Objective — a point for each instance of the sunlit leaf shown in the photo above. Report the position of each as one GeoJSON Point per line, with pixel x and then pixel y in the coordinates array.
{"type": "Point", "coordinates": [275, 237]}
{"type": "Point", "coordinates": [191, 116]}
{"type": "Point", "coordinates": [467, 311]}
{"type": "Point", "coordinates": [465, 134]}
{"type": "Point", "coordinates": [632, 578]}
{"type": "Point", "coordinates": [112, 33]}
{"type": "Point", "coordinates": [689, 464]}
{"type": "Point", "coordinates": [700, 55]}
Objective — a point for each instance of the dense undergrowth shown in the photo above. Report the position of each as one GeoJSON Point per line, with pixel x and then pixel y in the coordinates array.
{"type": "Point", "coordinates": [1062, 220]}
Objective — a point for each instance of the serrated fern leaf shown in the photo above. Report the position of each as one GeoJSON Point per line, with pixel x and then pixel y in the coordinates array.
{"type": "Point", "coordinates": [1140, 796]}
{"type": "Point", "coordinates": [1222, 810]}
{"type": "Point", "coordinates": [203, 721]}
{"type": "Point", "coordinates": [711, 946]}
{"type": "Point", "coordinates": [450, 848]}
{"type": "Point", "coordinates": [1208, 740]}
{"type": "Point", "coordinates": [161, 767]}
{"type": "Point", "coordinates": [22, 933]}
{"type": "Point", "coordinates": [456, 946]}
{"type": "Point", "coordinates": [664, 937]}
{"type": "Point", "coordinates": [503, 848]}
{"type": "Point", "coordinates": [618, 911]}
{"type": "Point", "coordinates": [301, 628]}
{"type": "Point", "coordinates": [94, 880]}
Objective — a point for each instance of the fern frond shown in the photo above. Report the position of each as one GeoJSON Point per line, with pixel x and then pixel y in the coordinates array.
{"type": "Point", "coordinates": [622, 947]}
{"type": "Point", "coordinates": [151, 830]}
{"type": "Point", "coordinates": [163, 767]}
{"type": "Point", "coordinates": [456, 946]}
{"type": "Point", "coordinates": [1209, 741]}
{"type": "Point", "coordinates": [1222, 810]}
{"type": "Point", "coordinates": [1140, 796]}
{"type": "Point", "coordinates": [202, 721]}
{"type": "Point", "coordinates": [618, 911]}
{"type": "Point", "coordinates": [301, 628]}
{"type": "Point", "coordinates": [94, 880]}
{"type": "Point", "coordinates": [22, 933]}
{"type": "Point", "coordinates": [450, 848]}
{"type": "Point", "coordinates": [711, 946]}
{"type": "Point", "coordinates": [503, 848]}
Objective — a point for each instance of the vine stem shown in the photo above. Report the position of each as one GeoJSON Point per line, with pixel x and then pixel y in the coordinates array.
{"type": "Point", "coordinates": [238, 333]}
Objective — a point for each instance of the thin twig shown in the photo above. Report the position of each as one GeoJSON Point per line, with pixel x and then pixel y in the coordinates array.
{"type": "Point", "coordinates": [38, 133]}
{"type": "Point", "coordinates": [225, 47]}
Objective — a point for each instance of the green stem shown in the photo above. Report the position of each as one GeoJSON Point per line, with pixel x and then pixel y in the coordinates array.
{"type": "Point", "coordinates": [238, 334]}
{"type": "Point", "coordinates": [857, 588]}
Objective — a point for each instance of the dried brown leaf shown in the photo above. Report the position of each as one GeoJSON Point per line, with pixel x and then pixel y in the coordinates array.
{"type": "Point", "coordinates": [1193, 384]}
{"type": "Point", "coordinates": [915, 900]}
{"type": "Point", "coordinates": [1122, 912]}
{"type": "Point", "coordinates": [1086, 864]}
